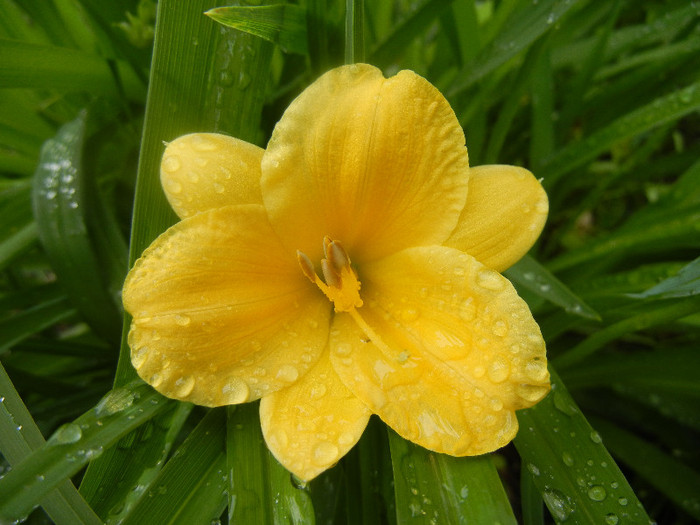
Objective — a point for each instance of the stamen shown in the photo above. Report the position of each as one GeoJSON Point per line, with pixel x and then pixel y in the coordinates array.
{"type": "Point", "coordinates": [307, 267]}
{"type": "Point", "coordinates": [341, 284]}
{"type": "Point", "coordinates": [330, 275]}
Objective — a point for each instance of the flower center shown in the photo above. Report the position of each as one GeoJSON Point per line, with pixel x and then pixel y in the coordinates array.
{"type": "Point", "coordinates": [342, 286]}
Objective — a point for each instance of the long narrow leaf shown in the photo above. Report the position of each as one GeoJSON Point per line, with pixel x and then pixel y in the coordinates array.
{"type": "Point", "coordinates": [73, 445]}
{"type": "Point", "coordinates": [434, 487]}
{"type": "Point", "coordinates": [578, 479]}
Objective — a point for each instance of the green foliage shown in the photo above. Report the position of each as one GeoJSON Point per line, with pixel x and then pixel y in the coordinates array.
{"type": "Point", "coordinates": [600, 99]}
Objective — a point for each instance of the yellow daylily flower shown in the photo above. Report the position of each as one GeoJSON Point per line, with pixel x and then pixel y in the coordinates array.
{"type": "Point", "coordinates": [343, 272]}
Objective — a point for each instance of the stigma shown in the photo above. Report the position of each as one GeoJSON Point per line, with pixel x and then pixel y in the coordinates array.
{"type": "Point", "coordinates": [341, 285]}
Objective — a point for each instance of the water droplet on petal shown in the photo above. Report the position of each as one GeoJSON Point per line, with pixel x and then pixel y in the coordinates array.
{"type": "Point", "coordinates": [318, 391]}
{"type": "Point", "coordinates": [500, 328]}
{"type": "Point", "coordinates": [236, 391]}
{"type": "Point", "coordinates": [490, 280]}
{"type": "Point", "coordinates": [287, 373]}
{"type": "Point", "coordinates": [173, 186]}
{"type": "Point", "coordinates": [499, 370]}
{"type": "Point", "coordinates": [184, 386]}
{"type": "Point", "coordinates": [343, 349]}
{"type": "Point", "coordinates": [171, 163]}
{"type": "Point", "coordinates": [409, 315]}
{"type": "Point", "coordinates": [202, 143]}
{"type": "Point", "coordinates": [536, 370]}
{"type": "Point", "coordinates": [325, 454]}
{"type": "Point", "coordinates": [467, 310]}
{"type": "Point", "coordinates": [182, 320]}
{"type": "Point", "coordinates": [219, 188]}
{"type": "Point", "coordinates": [193, 177]}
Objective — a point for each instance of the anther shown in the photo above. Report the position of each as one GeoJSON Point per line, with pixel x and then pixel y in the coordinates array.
{"type": "Point", "coordinates": [307, 267]}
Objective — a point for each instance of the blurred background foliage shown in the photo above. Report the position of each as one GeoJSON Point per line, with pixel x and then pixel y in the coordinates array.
{"type": "Point", "coordinates": [599, 99]}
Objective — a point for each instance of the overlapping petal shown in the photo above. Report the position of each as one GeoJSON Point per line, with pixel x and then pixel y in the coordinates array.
{"type": "Point", "coordinates": [452, 350]}
{"type": "Point", "coordinates": [503, 217]}
{"type": "Point", "coordinates": [203, 171]}
{"type": "Point", "coordinates": [221, 313]}
{"type": "Point", "coordinates": [310, 425]}
{"type": "Point", "coordinates": [379, 164]}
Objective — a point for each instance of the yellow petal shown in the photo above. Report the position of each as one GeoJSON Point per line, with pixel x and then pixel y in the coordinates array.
{"type": "Point", "coordinates": [310, 425]}
{"type": "Point", "coordinates": [203, 171]}
{"type": "Point", "coordinates": [504, 214]}
{"type": "Point", "coordinates": [221, 314]}
{"type": "Point", "coordinates": [379, 164]}
{"type": "Point", "coordinates": [450, 354]}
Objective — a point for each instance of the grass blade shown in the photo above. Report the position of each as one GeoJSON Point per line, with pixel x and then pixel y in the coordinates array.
{"type": "Point", "coordinates": [261, 490]}
{"type": "Point", "coordinates": [578, 479]}
{"type": "Point", "coordinates": [73, 445]}
{"type": "Point", "coordinates": [432, 488]}
{"type": "Point", "coordinates": [670, 476]}
{"type": "Point", "coordinates": [19, 436]}
{"type": "Point", "coordinates": [281, 24]}
{"type": "Point", "coordinates": [191, 488]}
{"type": "Point", "coordinates": [60, 199]}
{"type": "Point", "coordinates": [532, 276]}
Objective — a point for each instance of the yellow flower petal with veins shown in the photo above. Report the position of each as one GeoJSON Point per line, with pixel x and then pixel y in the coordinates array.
{"type": "Point", "coordinates": [313, 423]}
{"type": "Point", "coordinates": [457, 351]}
{"type": "Point", "coordinates": [503, 217]}
{"type": "Point", "coordinates": [220, 314]}
{"type": "Point", "coordinates": [376, 163]}
{"type": "Point", "coordinates": [348, 269]}
{"type": "Point", "coordinates": [204, 171]}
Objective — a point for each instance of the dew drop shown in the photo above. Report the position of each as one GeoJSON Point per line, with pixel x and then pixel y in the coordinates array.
{"type": "Point", "coordinates": [138, 357]}
{"type": "Point", "coordinates": [490, 280]}
{"type": "Point", "coordinates": [467, 310]}
{"type": "Point", "coordinates": [500, 329]}
{"type": "Point", "coordinates": [499, 370]}
{"type": "Point", "coordinates": [562, 404]}
{"type": "Point", "coordinates": [597, 493]}
{"type": "Point", "coordinates": [536, 370]}
{"type": "Point", "coordinates": [184, 386]}
{"type": "Point", "coordinates": [68, 433]}
{"type": "Point", "coordinates": [479, 371]}
{"type": "Point", "coordinates": [182, 320]}
{"type": "Point", "coordinates": [346, 439]}
{"type": "Point", "coordinates": [595, 437]}
{"type": "Point", "coordinates": [623, 501]}
{"type": "Point", "coordinates": [568, 459]}
{"type": "Point", "coordinates": [558, 504]}
{"type": "Point", "coordinates": [325, 454]}
{"type": "Point", "coordinates": [531, 393]}
{"type": "Point", "coordinates": [202, 143]}
{"type": "Point", "coordinates": [174, 186]}
{"type": "Point", "coordinates": [343, 349]}
{"type": "Point", "coordinates": [235, 391]}
{"type": "Point", "coordinates": [115, 401]}
{"type": "Point", "coordinates": [318, 391]}
{"type": "Point", "coordinates": [496, 404]}
{"type": "Point", "coordinates": [534, 470]}
{"type": "Point", "coordinates": [611, 519]}
{"type": "Point", "coordinates": [193, 177]}
{"type": "Point", "coordinates": [287, 373]}
{"type": "Point", "coordinates": [542, 206]}
{"type": "Point", "coordinates": [409, 315]}
{"type": "Point", "coordinates": [171, 163]}
{"type": "Point", "coordinates": [219, 188]}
